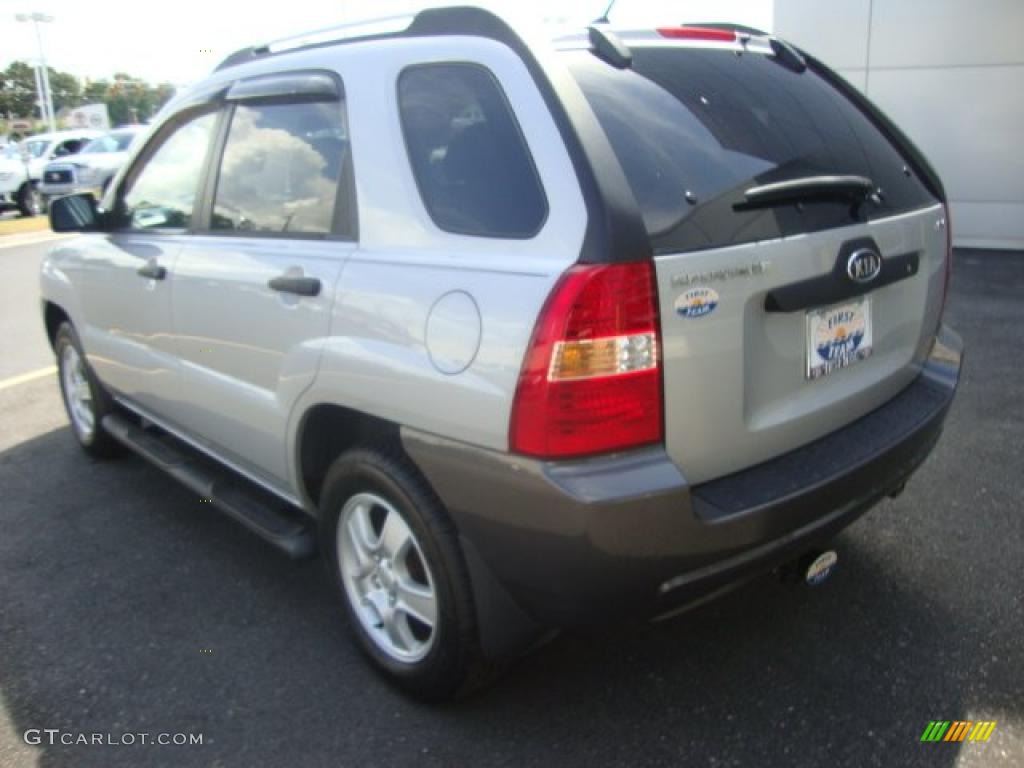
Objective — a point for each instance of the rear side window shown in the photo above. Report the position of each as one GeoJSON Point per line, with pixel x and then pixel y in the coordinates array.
{"type": "Point", "coordinates": [280, 169]}
{"type": "Point", "coordinates": [474, 172]}
{"type": "Point", "coordinates": [695, 127]}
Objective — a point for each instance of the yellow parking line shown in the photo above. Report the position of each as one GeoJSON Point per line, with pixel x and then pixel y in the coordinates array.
{"type": "Point", "coordinates": [26, 377]}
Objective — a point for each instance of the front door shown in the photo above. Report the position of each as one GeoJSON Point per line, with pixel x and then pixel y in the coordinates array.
{"type": "Point", "coordinates": [253, 294]}
{"type": "Point", "coordinates": [128, 274]}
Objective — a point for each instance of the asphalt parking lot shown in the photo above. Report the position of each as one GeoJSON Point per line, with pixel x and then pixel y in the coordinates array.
{"type": "Point", "coordinates": [127, 606]}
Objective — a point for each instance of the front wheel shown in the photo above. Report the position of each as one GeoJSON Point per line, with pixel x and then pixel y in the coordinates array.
{"type": "Point", "coordinates": [85, 400]}
{"type": "Point", "coordinates": [29, 201]}
{"type": "Point", "coordinates": [393, 556]}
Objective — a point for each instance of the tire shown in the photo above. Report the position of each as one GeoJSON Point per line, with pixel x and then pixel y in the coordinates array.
{"type": "Point", "coordinates": [450, 665]}
{"type": "Point", "coordinates": [29, 202]}
{"type": "Point", "coordinates": [74, 373]}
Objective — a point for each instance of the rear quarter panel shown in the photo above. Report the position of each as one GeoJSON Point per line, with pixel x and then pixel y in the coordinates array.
{"type": "Point", "coordinates": [376, 359]}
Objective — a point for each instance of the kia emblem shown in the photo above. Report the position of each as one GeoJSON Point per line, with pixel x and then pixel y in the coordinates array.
{"type": "Point", "coordinates": [864, 265]}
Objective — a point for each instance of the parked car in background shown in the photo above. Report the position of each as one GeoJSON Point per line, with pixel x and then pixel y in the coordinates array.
{"type": "Point", "coordinates": [29, 157]}
{"type": "Point", "coordinates": [16, 189]}
{"type": "Point", "coordinates": [91, 169]}
{"type": "Point", "coordinates": [44, 147]}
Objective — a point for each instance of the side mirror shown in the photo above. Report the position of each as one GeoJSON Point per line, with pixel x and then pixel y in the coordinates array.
{"type": "Point", "coordinates": [75, 213]}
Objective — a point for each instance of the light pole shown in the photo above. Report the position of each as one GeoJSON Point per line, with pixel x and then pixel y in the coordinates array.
{"type": "Point", "coordinates": [39, 89]}
{"type": "Point", "coordinates": [45, 95]}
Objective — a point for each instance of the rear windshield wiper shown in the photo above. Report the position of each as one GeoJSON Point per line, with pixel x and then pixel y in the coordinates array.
{"type": "Point", "coordinates": [856, 189]}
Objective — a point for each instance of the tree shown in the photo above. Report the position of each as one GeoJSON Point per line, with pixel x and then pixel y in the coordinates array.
{"type": "Point", "coordinates": [95, 91]}
{"type": "Point", "coordinates": [65, 90]}
{"type": "Point", "coordinates": [127, 98]}
{"type": "Point", "coordinates": [18, 95]}
{"type": "Point", "coordinates": [18, 90]}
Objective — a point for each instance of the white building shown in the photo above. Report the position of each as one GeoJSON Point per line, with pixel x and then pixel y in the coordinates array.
{"type": "Point", "coordinates": [950, 73]}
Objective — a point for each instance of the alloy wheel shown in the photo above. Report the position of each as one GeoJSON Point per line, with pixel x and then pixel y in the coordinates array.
{"type": "Point", "coordinates": [77, 392]}
{"type": "Point", "coordinates": [386, 578]}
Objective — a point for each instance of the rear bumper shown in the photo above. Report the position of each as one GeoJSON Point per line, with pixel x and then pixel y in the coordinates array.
{"type": "Point", "coordinates": [574, 543]}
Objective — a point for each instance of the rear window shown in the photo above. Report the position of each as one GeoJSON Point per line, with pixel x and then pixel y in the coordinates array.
{"type": "Point", "coordinates": [474, 172]}
{"type": "Point", "coordinates": [694, 128]}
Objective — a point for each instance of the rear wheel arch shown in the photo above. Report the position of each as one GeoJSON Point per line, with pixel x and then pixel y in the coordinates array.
{"type": "Point", "coordinates": [324, 432]}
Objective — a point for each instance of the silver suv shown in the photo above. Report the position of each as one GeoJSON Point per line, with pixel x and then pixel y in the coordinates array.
{"type": "Point", "coordinates": [522, 336]}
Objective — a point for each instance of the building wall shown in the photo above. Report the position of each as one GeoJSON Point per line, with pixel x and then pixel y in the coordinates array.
{"type": "Point", "coordinates": [950, 73]}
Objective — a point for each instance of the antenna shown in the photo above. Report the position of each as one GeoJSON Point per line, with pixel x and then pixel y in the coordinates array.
{"type": "Point", "coordinates": [604, 16]}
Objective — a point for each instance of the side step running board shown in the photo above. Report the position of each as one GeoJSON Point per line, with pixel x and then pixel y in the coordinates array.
{"type": "Point", "coordinates": [262, 513]}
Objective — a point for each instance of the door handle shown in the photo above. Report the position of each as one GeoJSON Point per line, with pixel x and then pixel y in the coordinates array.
{"type": "Point", "coordinates": [301, 286]}
{"type": "Point", "coordinates": [153, 271]}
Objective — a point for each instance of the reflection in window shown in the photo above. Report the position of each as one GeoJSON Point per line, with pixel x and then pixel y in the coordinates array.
{"type": "Point", "coordinates": [163, 195]}
{"type": "Point", "coordinates": [281, 168]}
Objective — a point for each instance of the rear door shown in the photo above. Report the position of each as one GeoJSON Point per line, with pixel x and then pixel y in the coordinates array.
{"type": "Point", "coordinates": [253, 290]}
{"type": "Point", "coordinates": [776, 327]}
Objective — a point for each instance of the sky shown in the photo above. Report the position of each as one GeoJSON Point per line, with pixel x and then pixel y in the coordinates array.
{"type": "Point", "coordinates": [182, 40]}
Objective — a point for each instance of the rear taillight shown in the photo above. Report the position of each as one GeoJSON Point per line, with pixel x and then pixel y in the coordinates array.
{"type": "Point", "coordinates": [949, 259]}
{"type": "Point", "coordinates": [698, 33]}
{"type": "Point", "coordinates": [591, 379]}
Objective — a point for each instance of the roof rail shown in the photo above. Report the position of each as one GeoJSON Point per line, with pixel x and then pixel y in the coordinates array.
{"type": "Point", "coordinates": [241, 56]}
{"type": "Point", "coordinates": [364, 28]}
{"type": "Point", "coordinates": [334, 33]}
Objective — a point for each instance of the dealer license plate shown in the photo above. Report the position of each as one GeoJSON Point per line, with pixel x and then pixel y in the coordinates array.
{"type": "Point", "coordinates": [838, 337]}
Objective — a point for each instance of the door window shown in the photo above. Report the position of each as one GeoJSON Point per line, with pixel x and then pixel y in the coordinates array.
{"type": "Point", "coordinates": [162, 195]}
{"type": "Point", "coordinates": [69, 147]}
{"type": "Point", "coordinates": [281, 168]}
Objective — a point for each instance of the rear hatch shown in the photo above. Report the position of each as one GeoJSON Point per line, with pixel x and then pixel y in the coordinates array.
{"type": "Point", "coordinates": [768, 196]}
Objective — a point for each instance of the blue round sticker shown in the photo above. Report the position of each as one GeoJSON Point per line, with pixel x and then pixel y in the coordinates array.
{"type": "Point", "coordinates": [697, 302]}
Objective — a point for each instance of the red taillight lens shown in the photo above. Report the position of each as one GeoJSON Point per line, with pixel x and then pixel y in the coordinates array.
{"type": "Point", "coordinates": [591, 380]}
{"type": "Point", "coordinates": [698, 33]}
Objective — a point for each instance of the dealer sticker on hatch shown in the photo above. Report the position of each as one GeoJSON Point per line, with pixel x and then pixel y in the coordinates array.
{"type": "Point", "coordinates": [838, 337]}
